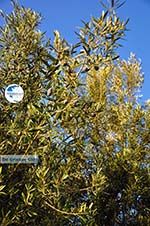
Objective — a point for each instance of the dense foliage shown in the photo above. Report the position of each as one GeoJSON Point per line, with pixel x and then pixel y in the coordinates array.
{"type": "Point", "coordinates": [81, 114]}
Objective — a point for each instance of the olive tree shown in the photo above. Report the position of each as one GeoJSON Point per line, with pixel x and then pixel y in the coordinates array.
{"type": "Point", "coordinates": [82, 116]}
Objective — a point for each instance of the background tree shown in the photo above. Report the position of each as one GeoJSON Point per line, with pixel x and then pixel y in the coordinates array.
{"type": "Point", "coordinates": [81, 114]}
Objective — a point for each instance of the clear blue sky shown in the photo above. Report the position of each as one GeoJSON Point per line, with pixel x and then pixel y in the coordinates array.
{"type": "Point", "coordinates": [66, 16]}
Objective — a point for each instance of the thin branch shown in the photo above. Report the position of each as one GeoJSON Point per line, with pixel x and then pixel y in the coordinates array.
{"type": "Point", "coordinates": [63, 212]}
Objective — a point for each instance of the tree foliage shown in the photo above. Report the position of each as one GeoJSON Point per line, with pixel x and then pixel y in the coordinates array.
{"type": "Point", "coordinates": [81, 114]}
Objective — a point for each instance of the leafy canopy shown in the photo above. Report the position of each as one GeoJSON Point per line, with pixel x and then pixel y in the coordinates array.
{"type": "Point", "coordinates": [81, 114]}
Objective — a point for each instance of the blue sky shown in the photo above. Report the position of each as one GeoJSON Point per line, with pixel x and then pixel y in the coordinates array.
{"type": "Point", "coordinates": [66, 16]}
